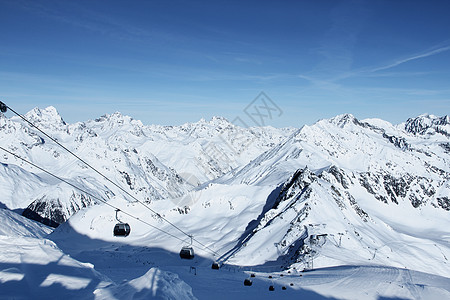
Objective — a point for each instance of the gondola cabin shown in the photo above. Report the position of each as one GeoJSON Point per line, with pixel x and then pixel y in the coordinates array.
{"type": "Point", "coordinates": [187, 253]}
{"type": "Point", "coordinates": [215, 266]}
{"type": "Point", "coordinates": [122, 229]}
{"type": "Point", "coordinates": [248, 282]}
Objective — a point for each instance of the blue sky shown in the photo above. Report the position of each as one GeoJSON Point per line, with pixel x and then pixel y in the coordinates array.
{"type": "Point", "coordinates": [171, 62]}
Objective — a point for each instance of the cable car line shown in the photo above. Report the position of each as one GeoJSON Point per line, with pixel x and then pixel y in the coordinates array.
{"type": "Point", "coordinates": [184, 253]}
{"type": "Point", "coordinates": [90, 194]}
{"type": "Point", "coordinates": [4, 106]}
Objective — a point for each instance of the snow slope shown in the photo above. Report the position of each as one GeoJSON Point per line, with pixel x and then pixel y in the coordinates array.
{"type": "Point", "coordinates": [16, 185]}
{"type": "Point", "coordinates": [150, 162]}
{"type": "Point", "coordinates": [124, 259]}
{"type": "Point", "coordinates": [371, 194]}
{"type": "Point", "coordinates": [33, 267]}
{"type": "Point", "coordinates": [318, 223]}
{"type": "Point", "coordinates": [362, 192]}
{"type": "Point", "coordinates": [87, 236]}
{"type": "Point", "coordinates": [341, 209]}
{"type": "Point", "coordinates": [14, 225]}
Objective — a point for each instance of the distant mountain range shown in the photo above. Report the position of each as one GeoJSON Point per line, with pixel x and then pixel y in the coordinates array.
{"type": "Point", "coordinates": [342, 191]}
{"type": "Point", "coordinates": [151, 162]}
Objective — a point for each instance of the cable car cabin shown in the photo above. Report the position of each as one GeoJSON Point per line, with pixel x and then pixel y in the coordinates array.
{"type": "Point", "coordinates": [122, 229]}
{"type": "Point", "coordinates": [215, 266]}
{"type": "Point", "coordinates": [248, 282]}
{"type": "Point", "coordinates": [187, 253]}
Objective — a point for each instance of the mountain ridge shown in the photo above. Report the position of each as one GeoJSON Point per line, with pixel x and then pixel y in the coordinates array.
{"type": "Point", "coordinates": [343, 197]}
{"type": "Point", "coordinates": [147, 161]}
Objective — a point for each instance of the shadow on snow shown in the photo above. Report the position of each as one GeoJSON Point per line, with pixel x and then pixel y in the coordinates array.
{"type": "Point", "coordinates": [123, 262]}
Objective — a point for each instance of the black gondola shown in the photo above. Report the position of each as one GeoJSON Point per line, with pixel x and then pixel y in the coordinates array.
{"type": "Point", "coordinates": [122, 229]}
{"type": "Point", "coordinates": [187, 252]}
{"type": "Point", "coordinates": [248, 282]}
{"type": "Point", "coordinates": [215, 266]}
{"type": "Point", "coordinates": [3, 107]}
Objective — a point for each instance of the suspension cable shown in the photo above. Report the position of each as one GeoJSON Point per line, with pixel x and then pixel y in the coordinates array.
{"type": "Point", "coordinates": [88, 193]}
{"type": "Point", "coordinates": [4, 106]}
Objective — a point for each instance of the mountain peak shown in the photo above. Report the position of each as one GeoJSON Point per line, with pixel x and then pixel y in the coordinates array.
{"type": "Point", "coordinates": [344, 119]}
{"type": "Point", "coordinates": [48, 115]}
{"type": "Point", "coordinates": [120, 119]}
{"type": "Point", "coordinates": [213, 121]}
{"type": "Point", "coordinates": [219, 118]}
{"type": "Point", "coordinates": [219, 121]}
{"type": "Point", "coordinates": [428, 124]}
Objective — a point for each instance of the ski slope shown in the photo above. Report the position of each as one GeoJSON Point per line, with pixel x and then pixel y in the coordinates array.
{"type": "Point", "coordinates": [88, 236]}
{"type": "Point", "coordinates": [36, 268]}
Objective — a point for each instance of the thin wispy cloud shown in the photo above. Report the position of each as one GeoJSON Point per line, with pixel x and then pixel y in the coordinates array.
{"type": "Point", "coordinates": [411, 58]}
{"type": "Point", "coordinates": [94, 21]}
{"type": "Point", "coordinates": [374, 71]}
{"type": "Point", "coordinates": [398, 74]}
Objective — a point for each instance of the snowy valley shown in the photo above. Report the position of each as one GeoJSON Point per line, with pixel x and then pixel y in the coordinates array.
{"type": "Point", "coordinates": [341, 209]}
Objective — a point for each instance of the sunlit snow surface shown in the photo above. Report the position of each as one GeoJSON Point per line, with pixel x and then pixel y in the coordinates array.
{"type": "Point", "coordinates": [329, 186]}
{"type": "Point", "coordinates": [33, 267]}
{"type": "Point", "coordinates": [124, 271]}
{"type": "Point", "coordinates": [152, 162]}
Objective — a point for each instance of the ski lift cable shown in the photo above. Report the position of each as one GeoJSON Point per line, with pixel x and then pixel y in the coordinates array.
{"type": "Point", "coordinates": [4, 105]}
{"type": "Point", "coordinates": [89, 194]}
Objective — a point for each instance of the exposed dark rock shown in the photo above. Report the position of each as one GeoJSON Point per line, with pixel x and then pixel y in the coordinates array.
{"type": "Point", "coordinates": [446, 147]}
{"type": "Point", "coordinates": [398, 142]}
{"type": "Point", "coordinates": [183, 210]}
{"type": "Point", "coordinates": [53, 211]}
{"type": "Point", "coordinates": [367, 182]}
{"type": "Point", "coordinates": [444, 202]}
{"type": "Point", "coordinates": [421, 124]}
{"type": "Point", "coordinates": [415, 200]}
{"type": "Point", "coordinates": [340, 177]}
{"type": "Point", "coordinates": [359, 211]}
{"type": "Point", "coordinates": [298, 182]}
{"type": "Point", "coordinates": [127, 178]}
{"type": "Point", "coordinates": [28, 213]}
{"type": "Point", "coordinates": [396, 187]}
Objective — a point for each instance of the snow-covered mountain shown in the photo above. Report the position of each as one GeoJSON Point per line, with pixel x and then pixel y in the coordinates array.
{"type": "Point", "coordinates": [428, 125]}
{"type": "Point", "coordinates": [365, 146]}
{"type": "Point", "coordinates": [338, 192]}
{"type": "Point", "coordinates": [357, 192]}
{"type": "Point", "coordinates": [363, 203]}
{"type": "Point", "coordinates": [150, 162]}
